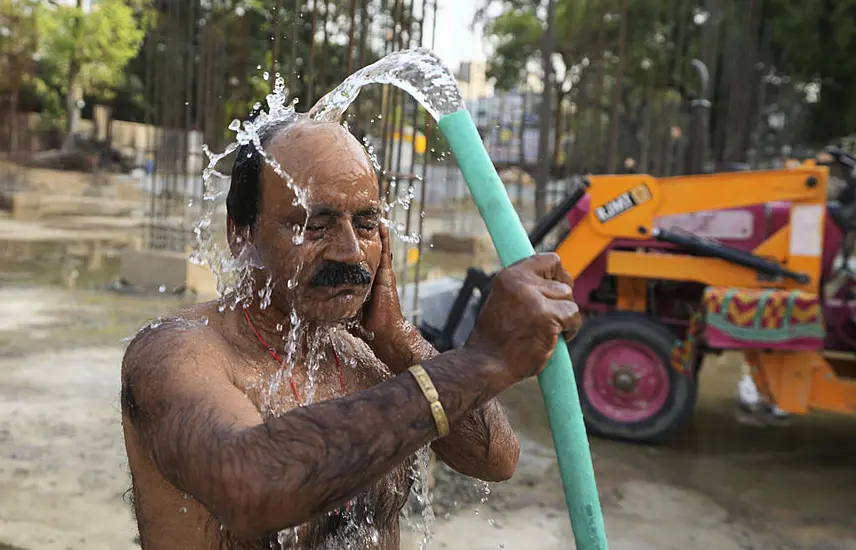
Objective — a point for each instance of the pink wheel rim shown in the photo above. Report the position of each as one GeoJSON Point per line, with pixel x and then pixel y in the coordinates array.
{"type": "Point", "coordinates": [625, 381]}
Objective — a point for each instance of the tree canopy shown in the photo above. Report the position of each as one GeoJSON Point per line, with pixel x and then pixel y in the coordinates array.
{"type": "Point", "coordinates": [86, 51]}
{"type": "Point", "coordinates": [623, 57]}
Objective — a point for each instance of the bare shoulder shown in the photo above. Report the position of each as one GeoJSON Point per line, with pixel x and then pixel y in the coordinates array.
{"type": "Point", "coordinates": [173, 344]}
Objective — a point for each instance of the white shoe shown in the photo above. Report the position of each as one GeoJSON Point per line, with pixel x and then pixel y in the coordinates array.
{"type": "Point", "coordinates": [747, 393]}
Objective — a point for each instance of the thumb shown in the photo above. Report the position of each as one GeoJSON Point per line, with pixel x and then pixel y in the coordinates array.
{"type": "Point", "coordinates": [358, 330]}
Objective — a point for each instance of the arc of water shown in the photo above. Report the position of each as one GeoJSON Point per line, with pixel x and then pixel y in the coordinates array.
{"type": "Point", "coordinates": [422, 74]}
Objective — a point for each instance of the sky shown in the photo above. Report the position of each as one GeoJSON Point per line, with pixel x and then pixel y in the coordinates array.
{"type": "Point", "coordinates": [455, 42]}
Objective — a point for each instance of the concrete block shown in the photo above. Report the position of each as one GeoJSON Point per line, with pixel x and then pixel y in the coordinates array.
{"type": "Point", "coordinates": [461, 244]}
{"type": "Point", "coordinates": [201, 281]}
{"type": "Point", "coordinates": [155, 269]}
{"type": "Point", "coordinates": [26, 206]}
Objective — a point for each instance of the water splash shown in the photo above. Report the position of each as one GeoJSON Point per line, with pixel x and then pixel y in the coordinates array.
{"type": "Point", "coordinates": [234, 274]}
{"type": "Point", "coordinates": [419, 72]}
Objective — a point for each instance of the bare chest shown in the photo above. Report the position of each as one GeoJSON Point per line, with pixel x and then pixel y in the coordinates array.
{"type": "Point", "coordinates": [276, 388]}
{"type": "Point", "coordinates": [370, 519]}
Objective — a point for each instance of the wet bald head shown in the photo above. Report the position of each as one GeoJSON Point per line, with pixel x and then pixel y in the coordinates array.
{"type": "Point", "coordinates": [301, 145]}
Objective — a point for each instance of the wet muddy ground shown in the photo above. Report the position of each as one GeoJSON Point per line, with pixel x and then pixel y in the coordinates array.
{"type": "Point", "coordinates": [720, 486]}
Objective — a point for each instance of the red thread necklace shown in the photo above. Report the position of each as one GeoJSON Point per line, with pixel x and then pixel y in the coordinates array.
{"type": "Point", "coordinates": [279, 359]}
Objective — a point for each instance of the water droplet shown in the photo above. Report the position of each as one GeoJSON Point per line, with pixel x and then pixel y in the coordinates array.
{"type": "Point", "coordinates": [162, 288]}
{"type": "Point", "coordinates": [266, 75]}
{"type": "Point", "coordinates": [183, 509]}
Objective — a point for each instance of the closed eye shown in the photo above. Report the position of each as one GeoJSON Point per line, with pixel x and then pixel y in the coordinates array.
{"type": "Point", "coordinates": [367, 219]}
{"type": "Point", "coordinates": [365, 224]}
{"type": "Point", "coordinates": [318, 223]}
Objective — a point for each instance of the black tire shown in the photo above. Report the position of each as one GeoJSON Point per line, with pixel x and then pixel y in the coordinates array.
{"type": "Point", "coordinates": [659, 339]}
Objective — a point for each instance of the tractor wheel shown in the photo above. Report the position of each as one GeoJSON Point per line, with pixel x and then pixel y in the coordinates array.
{"type": "Point", "coordinates": [628, 388]}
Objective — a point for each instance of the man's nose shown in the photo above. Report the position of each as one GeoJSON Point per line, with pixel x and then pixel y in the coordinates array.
{"type": "Point", "coordinates": [345, 247]}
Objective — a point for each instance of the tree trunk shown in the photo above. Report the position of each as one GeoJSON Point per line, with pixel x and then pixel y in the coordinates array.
{"type": "Point", "coordinates": [73, 93]}
{"type": "Point", "coordinates": [546, 110]}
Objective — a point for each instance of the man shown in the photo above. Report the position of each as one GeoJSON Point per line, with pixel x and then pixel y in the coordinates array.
{"type": "Point", "coordinates": [221, 452]}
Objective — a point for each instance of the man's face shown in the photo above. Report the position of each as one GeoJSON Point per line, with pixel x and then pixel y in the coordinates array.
{"type": "Point", "coordinates": [339, 256]}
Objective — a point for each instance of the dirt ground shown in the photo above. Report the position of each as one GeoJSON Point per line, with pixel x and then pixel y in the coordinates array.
{"type": "Point", "coordinates": [721, 486]}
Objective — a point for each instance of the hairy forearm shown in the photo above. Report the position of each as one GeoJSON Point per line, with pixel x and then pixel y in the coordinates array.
{"type": "Point", "coordinates": [313, 458]}
{"type": "Point", "coordinates": [482, 443]}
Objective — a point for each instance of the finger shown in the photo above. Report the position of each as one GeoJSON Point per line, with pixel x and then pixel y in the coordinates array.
{"type": "Point", "coordinates": [576, 325]}
{"type": "Point", "coordinates": [360, 332]}
{"type": "Point", "coordinates": [548, 265]}
{"type": "Point", "coordinates": [567, 314]}
{"type": "Point", "coordinates": [563, 276]}
{"type": "Point", "coordinates": [556, 290]}
{"type": "Point", "coordinates": [385, 249]}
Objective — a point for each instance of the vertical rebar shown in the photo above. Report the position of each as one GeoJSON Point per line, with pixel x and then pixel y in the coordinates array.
{"type": "Point", "coordinates": [324, 73]}
{"type": "Point", "coordinates": [615, 115]}
{"type": "Point", "coordinates": [351, 29]}
{"type": "Point", "coordinates": [310, 73]}
{"type": "Point", "coordinates": [543, 176]}
{"type": "Point", "coordinates": [411, 173]}
{"type": "Point", "coordinates": [295, 36]}
{"type": "Point", "coordinates": [277, 38]}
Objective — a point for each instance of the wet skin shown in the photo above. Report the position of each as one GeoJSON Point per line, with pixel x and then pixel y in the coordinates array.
{"type": "Point", "coordinates": [216, 462]}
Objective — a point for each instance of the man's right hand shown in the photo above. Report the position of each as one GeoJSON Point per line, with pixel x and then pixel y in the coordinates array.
{"type": "Point", "coordinates": [531, 304]}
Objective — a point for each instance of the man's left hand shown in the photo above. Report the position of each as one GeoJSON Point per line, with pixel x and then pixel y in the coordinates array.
{"type": "Point", "coordinates": [382, 324]}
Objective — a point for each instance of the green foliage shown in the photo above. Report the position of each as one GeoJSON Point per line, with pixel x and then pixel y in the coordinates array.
{"type": "Point", "coordinates": [800, 45]}
{"type": "Point", "coordinates": [814, 42]}
{"type": "Point", "coordinates": [18, 39]}
{"type": "Point", "coordinates": [516, 36]}
{"type": "Point", "coordinates": [95, 45]}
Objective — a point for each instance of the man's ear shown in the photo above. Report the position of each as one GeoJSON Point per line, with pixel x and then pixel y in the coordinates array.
{"type": "Point", "coordinates": [237, 237]}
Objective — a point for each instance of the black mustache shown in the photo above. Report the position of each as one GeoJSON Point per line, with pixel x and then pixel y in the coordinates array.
{"type": "Point", "coordinates": [333, 274]}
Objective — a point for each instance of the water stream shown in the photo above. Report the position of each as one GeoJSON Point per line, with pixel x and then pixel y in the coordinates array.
{"type": "Point", "coordinates": [421, 74]}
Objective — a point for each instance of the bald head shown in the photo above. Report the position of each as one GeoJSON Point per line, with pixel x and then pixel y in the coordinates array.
{"type": "Point", "coordinates": [307, 150]}
{"type": "Point", "coordinates": [313, 153]}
